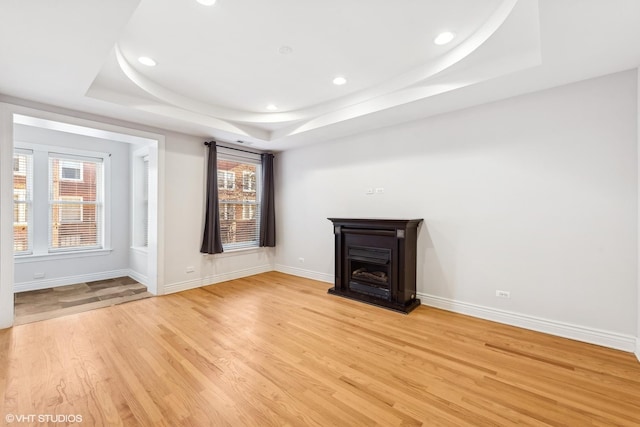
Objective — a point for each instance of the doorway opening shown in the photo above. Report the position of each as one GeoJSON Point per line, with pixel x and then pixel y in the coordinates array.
{"type": "Point", "coordinates": [85, 214]}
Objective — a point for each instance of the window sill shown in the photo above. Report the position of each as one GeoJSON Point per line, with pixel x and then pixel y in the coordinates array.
{"type": "Point", "coordinates": [239, 251]}
{"type": "Point", "coordinates": [19, 259]}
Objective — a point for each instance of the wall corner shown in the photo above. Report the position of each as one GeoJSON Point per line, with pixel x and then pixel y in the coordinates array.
{"type": "Point", "coordinates": [638, 214]}
{"type": "Point", "coordinates": [6, 217]}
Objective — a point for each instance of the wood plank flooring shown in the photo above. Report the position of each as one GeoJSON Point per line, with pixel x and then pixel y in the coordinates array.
{"type": "Point", "coordinates": [33, 306]}
{"type": "Point", "coordinates": [274, 349]}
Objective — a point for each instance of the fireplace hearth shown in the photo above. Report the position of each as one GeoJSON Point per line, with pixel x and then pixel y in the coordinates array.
{"type": "Point", "coordinates": [376, 261]}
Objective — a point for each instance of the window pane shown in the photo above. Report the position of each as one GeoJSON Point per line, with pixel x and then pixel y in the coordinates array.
{"type": "Point", "coordinates": [226, 180]}
{"type": "Point", "coordinates": [248, 181]}
{"type": "Point", "coordinates": [239, 205]}
{"type": "Point", "coordinates": [70, 212]}
{"type": "Point", "coordinates": [75, 188]}
{"type": "Point", "coordinates": [70, 170]}
{"type": "Point", "coordinates": [145, 198]}
{"type": "Point", "coordinates": [22, 179]}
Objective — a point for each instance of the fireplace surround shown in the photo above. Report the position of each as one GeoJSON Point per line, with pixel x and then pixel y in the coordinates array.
{"type": "Point", "coordinates": [375, 261]}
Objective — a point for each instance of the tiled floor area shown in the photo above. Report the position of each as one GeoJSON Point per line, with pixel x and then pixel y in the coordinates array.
{"type": "Point", "coordinates": [33, 306]}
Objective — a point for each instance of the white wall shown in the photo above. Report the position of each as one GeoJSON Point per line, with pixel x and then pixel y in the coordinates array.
{"type": "Point", "coordinates": [6, 217]}
{"type": "Point", "coordinates": [69, 270]}
{"type": "Point", "coordinates": [535, 195]}
{"type": "Point", "coordinates": [638, 145]}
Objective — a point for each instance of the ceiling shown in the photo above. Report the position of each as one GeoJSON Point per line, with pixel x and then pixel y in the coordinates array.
{"type": "Point", "coordinates": [219, 67]}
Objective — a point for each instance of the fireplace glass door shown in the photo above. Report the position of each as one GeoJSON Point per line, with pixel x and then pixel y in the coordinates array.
{"type": "Point", "coordinates": [370, 271]}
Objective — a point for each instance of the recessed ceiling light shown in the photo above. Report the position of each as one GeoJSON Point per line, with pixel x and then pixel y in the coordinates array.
{"type": "Point", "coordinates": [145, 60]}
{"type": "Point", "coordinates": [271, 107]}
{"type": "Point", "coordinates": [207, 2]}
{"type": "Point", "coordinates": [444, 38]}
{"type": "Point", "coordinates": [339, 81]}
{"type": "Point", "coordinates": [285, 50]}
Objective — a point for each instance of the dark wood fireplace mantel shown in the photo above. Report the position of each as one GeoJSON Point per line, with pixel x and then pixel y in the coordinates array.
{"type": "Point", "coordinates": [376, 261]}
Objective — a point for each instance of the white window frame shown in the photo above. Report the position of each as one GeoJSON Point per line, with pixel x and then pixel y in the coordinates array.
{"type": "Point", "coordinates": [71, 157]}
{"type": "Point", "coordinates": [245, 158]}
{"type": "Point", "coordinates": [39, 230]}
{"type": "Point", "coordinates": [28, 200]}
{"type": "Point", "coordinates": [140, 199]}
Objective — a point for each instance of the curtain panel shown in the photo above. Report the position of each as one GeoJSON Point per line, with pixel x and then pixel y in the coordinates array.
{"type": "Point", "coordinates": [212, 241]}
{"type": "Point", "coordinates": [267, 207]}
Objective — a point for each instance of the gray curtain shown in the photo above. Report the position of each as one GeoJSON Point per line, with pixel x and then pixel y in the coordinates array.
{"type": "Point", "coordinates": [211, 241]}
{"type": "Point", "coordinates": [267, 207]}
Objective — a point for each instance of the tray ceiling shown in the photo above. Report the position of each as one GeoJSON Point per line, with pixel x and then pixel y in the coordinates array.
{"type": "Point", "coordinates": [262, 72]}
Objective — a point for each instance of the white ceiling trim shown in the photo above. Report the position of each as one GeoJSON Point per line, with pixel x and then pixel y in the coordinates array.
{"type": "Point", "coordinates": [365, 102]}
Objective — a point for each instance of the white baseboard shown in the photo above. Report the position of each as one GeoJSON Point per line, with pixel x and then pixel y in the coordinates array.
{"type": "Point", "coordinates": [580, 333]}
{"type": "Point", "coordinates": [140, 278]}
{"type": "Point", "coordinates": [216, 278]}
{"type": "Point", "coordinates": [68, 280]}
{"type": "Point", "coordinates": [321, 277]}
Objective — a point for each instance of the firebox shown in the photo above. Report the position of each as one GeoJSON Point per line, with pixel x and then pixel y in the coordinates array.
{"type": "Point", "coordinates": [370, 272]}
{"type": "Point", "coordinates": [376, 261]}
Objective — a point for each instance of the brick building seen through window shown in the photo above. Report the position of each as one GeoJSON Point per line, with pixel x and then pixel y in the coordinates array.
{"type": "Point", "coordinates": [74, 199]}
{"type": "Point", "coordinates": [75, 206]}
{"type": "Point", "coordinates": [239, 198]}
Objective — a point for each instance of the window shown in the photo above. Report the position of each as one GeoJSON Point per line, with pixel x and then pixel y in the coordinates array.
{"type": "Point", "coordinates": [140, 198]}
{"type": "Point", "coordinates": [145, 201]}
{"type": "Point", "coordinates": [72, 211]}
{"type": "Point", "coordinates": [22, 204]}
{"type": "Point", "coordinates": [75, 201]}
{"type": "Point", "coordinates": [227, 211]}
{"type": "Point", "coordinates": [19, 165]}
{"type": "Point", "coordinates": [19, 206]}
{"type": "Point", "coordinates": [248, 181]}
{"type": "Point", "coordinates": [248, 211]}
{"type": "Point", "coordinates": [226, 180]}
{"type": "Point", "coordinates": [239, 206]}
{"type": "Point", "coordinates": [58, 207]}
{"type": "Point", "coordinates": [71, 171]}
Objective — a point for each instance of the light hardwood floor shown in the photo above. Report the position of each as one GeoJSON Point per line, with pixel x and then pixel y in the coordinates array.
{"type": "Point", "coordinates": [274, 349]}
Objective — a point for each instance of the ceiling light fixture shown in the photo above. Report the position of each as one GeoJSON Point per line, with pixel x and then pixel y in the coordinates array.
{"type": "Point", "coordinates": [339, 81]}
{"type": "Point", "coordinates": [285, 50]}
{"type": "Point", "coordinates": [444, 38]}
{"type": "Point", "coordinates": [271, 107]}
{"type": "Point", "coordinates": [207, 2]}
{"type": "Point", "coordinates": [145, 60]}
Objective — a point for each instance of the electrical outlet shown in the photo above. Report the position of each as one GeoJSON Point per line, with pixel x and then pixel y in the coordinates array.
{"type": "Point", "coordinates": [503, 294]}
{"type": "Point", "coordinates": [301, 260]}
{"type": "Point", "coordinates": [38, 275]}
{"type": "Point", "coordinates": [379, 190]}
{"type": "Point", "coordinates": [190, 269]}
{"type": "Point", "coordinates": [368, 191]}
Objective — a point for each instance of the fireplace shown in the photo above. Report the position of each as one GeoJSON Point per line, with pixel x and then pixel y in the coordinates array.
{"type": "Point", "coordinates": [376, 261]}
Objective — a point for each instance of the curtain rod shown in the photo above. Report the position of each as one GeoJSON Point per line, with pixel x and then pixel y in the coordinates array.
{"type": "Point", "coordinates": [208, 143]}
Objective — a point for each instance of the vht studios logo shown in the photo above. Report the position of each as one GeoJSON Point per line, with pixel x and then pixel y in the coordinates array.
{"type": "Point", "coordinates": [42, 418]}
